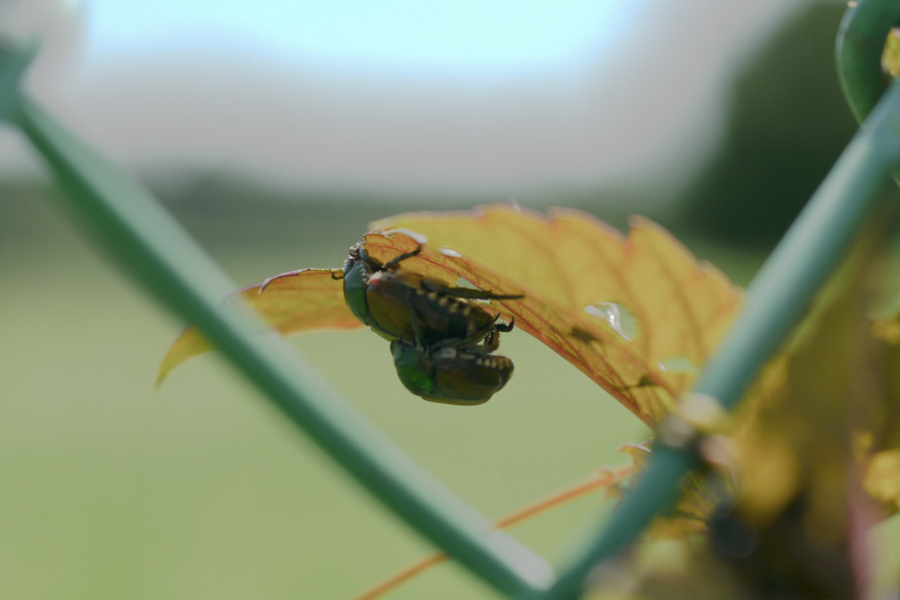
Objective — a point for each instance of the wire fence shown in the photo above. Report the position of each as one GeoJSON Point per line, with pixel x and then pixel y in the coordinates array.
{"type": "Point", "coordinates": [170, 265]}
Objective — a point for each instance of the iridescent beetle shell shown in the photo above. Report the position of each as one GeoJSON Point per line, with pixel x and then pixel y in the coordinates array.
{"type": "Point", "coordinates": [441, 338]}
{"type": "Point", "coordinates": [406, 306]}
{"type": "Point", "coordinates": [449, 374]}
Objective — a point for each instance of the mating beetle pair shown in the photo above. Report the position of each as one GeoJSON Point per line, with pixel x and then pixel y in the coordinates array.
{"type": "Point", "coordinates": [441, 338]}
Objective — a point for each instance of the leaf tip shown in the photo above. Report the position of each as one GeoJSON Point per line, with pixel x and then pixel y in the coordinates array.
{"type": "Point", "coordinates": [189, 344]}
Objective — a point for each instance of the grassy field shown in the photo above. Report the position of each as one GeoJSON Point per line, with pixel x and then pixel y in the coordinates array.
{"type": "Point", "coordinates": [109, 489]}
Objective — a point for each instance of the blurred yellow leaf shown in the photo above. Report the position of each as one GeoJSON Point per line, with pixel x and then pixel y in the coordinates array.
{"type": "Point", "coordinates": [890, 58]}
{"type": "Point", "coordinates": [882, 478]}
{"type": "Point", "coordinates": [821, 421]}
{"type": "Point", "coordinates": [888, 330]}
{"type": "Point", "coordinates": [799, 523]}
{"type": "Point", "coordinates": [879, 441]}
{"type": "Point", "coordinates": [800, 436]}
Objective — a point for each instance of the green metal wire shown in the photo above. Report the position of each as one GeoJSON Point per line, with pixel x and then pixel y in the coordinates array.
{"type": "Point", "coordinates": [140, 235]}
{"type": "Point", "coordinates": [14, 60]}
{"type": "Point", "coordinates": [785, 286]}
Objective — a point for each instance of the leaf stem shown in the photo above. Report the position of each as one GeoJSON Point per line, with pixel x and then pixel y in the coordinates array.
{"type": "Point", "coordinates": [600, 480]}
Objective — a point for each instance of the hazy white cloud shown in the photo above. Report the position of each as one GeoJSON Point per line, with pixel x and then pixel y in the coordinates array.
{"type": "Point", "coordinates": [641, 107]}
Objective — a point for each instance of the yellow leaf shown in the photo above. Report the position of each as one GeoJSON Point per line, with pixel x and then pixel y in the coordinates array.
{"type": "Point", "coordinates": [888, 329]}
{"type": "Point", "coordinates": [890, 58]}
{"type": "Point", "coordinates": [882, 478]}
{"type": "Point", "coordinates": [297, 301]}
{"type": "Point", "coordinates": [638, 314]}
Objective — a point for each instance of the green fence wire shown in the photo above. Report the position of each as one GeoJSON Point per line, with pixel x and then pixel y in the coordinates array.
{"type": "Point", "coordinates": [151, 246]}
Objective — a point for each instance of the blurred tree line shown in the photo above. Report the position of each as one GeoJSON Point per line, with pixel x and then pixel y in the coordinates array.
{"type": "Point", "coordinates": [788, 124]}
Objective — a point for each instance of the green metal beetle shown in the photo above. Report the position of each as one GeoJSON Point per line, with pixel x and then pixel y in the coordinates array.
{"type": "Point", "coordinates": [449, 374]}
{"type": "Point", "coordinates": [441, 339]}
{"type": "Point", "coordinates": [410, 307]}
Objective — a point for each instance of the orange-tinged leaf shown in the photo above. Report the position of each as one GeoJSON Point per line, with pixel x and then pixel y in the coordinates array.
{"type": "Point", "coordinates": [638, 314]}
{"type": "Point", "coordinates": [297, 301]}
{"type": "Point", "coordinates": [303, 300]}
{"type": "Point", "coordinates": [879, 443]}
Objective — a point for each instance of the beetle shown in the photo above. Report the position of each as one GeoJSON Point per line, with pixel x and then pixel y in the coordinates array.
{"type": "Point", "coordinates": [461, 375]}
{"type": "Point", "coordinates": [441, 338]}
{"type": "Point", "coordinates": [414, 308]}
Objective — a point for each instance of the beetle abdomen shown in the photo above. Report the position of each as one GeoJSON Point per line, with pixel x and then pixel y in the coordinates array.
{"type": "Point", "coordinates": [403, 310]}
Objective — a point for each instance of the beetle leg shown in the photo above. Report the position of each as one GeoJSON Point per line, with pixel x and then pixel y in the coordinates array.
{"type": "Point", "coordinates": [436, 285]}
{"type": "Point", "coordinates": [506, 327]}
{"type": "Point", "coordinates": [500, 325]}
{"type": "Point", "coordinates": [491, 342]}
{"type": "Point", "coordinates": [398, 259]}
{"type": "Point", "coordinates": [417, 331]}
{"type": "Point", "coordinates": [432, 284]}
{"type": "Point", "coordinates": [476, 294]}
{"type": "Point", "coordinates": [337, 274]}
{"type": "Point", "coordinates": [414, 318]}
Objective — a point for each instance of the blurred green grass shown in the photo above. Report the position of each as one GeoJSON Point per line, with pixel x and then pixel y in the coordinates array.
{"type": "Point", "coordinates": [111, 490]}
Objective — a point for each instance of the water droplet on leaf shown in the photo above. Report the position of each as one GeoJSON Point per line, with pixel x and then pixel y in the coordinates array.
{"type": "Point", "coordinates": [617, 316]}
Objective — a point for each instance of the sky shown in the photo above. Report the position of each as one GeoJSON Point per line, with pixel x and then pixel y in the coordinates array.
{"type": "Point", "coordinates": [457, 34]}
{"type": "Point", "coordinates": [487, 96]}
